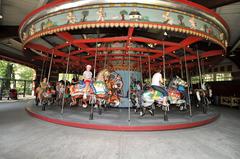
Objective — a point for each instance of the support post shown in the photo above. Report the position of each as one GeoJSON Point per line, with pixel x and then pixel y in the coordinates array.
{"type": "Point", "coordinates": [187, 77]}
{"type": "Point", "coordinates": [149, 68]}
{"type": "Point", "coordinates": [50, 67]}
{"type": "Point", "coordinates": [1, 89]}
{"type": "Point", "coordinates": [164, 66]}
{"type": "Point", "coordinates": [24, 89]}
{"type": "Point", "coordinates": [199, 68]}
{"type": "Point", "coordinates": [129, 89]}
{"type": "Point", "coordinates": [65, 80]}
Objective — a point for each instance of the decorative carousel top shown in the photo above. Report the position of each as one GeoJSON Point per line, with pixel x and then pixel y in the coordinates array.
{"type": "Point", "coordinates": [150, 29]}
{"type": "Point", "coordinates": [175, 15]}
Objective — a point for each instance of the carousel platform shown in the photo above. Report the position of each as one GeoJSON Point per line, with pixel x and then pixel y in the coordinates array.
{"type": "Point", "coordinates": [116, 119]}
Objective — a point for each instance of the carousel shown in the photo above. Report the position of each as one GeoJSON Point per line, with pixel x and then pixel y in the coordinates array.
{"type": "Point", "coordinates": [121, 45]}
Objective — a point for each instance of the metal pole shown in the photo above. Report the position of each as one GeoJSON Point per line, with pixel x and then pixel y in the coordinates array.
{"type": "Point", "coordinates": [149, 69]}
{"type": "Point", "coordinates": [181, 68]}
{"type": "Point", "coordinates": [105, 59]}
{"type": "Point", "coordinates": [187, 77]}
{"type": "Point", "coordinates": [95, 58]}
{"type": "Point", "coordinates": [203, 68]}
{"type": "Point", "coordinates": [164, 67]}
{"type": "Point", "coordinates": [45, 68]}
{"type": "Point", "coordinates": [129, 83]}
{"type": "Point", "coordinates": [50, 67]}
{"type": "Point", "coordinates": [43, 64]}
{"type": "Point", "coordinates": [24, 89]}
{"type": "Point", "coordinates": [199, 68]}
{"type": "Point", "coordinates": [141, 70]}
{"type": "Point", "coordinates": [65, 80]}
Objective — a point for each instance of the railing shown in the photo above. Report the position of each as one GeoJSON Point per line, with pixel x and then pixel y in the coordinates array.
{"type": "Point", "coordinates": [23, 87]}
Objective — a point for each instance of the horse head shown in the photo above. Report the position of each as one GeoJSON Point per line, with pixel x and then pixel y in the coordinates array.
{"type": "Point", "coordinates": [103, 75]}
{"type": "Point", "coordinates": [180, 82]}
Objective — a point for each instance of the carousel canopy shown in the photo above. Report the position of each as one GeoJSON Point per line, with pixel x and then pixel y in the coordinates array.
{"type": "Point", "coordinates": [119, 33]}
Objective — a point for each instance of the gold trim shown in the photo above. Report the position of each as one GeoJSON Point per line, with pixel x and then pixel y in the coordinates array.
{"type": "Point", "coordinates": [123, 24]}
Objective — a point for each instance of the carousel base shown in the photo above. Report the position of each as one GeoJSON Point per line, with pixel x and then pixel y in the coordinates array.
{"type": "Point", "coordinates": [116, 119]}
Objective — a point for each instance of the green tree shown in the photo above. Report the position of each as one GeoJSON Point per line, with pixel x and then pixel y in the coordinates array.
{"type": "Point", "coordinates": [123, 13]}
{"type": "Point", "coordinates": [3, 66]}
{"type": "Point", "coordinates": [9, 74]}
{"type": "Point", "coordinates": [85, 14]}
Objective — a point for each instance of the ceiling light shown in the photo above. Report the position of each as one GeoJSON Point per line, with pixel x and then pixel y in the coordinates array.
{"type": "Point", "coordinates": [1, 16]}
{"type": "Point", "coordinates": [150, 45]}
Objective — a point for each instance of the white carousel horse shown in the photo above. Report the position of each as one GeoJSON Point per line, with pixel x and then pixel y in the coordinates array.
{"type": "Point", "coordinates": [174, 96]}
{"type": "Point", "coordinates": [203, 96]}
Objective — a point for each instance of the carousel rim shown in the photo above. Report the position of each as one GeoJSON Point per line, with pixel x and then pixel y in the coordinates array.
{"type": "Point", "coordinates": [181, 5]}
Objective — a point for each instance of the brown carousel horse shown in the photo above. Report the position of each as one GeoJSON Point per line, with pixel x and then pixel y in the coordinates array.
{"type": "Point", "coordinates": [44, 94]}
{"type": "Point", "coordinates": [97, 90]}
{"type": "Point", "coordinates": [102, 91]}
{"type": "Point", "coordinates": [113, 98]}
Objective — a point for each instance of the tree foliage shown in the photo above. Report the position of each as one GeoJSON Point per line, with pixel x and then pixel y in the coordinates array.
{"type": "Point", "coordinates": [15, 71]}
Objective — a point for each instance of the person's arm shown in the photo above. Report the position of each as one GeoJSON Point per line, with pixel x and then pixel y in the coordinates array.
{"type": "Point", "coordinates": [161, 79]}
{"type": "Point", "coordinates": [84, 75]}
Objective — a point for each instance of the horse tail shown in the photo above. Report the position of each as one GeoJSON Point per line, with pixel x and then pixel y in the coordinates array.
{"type": "Point", "coordinates": [198, 95]}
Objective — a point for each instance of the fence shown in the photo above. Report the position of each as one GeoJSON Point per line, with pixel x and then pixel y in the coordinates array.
{"type": "Point", "coordinates": [23, 87]}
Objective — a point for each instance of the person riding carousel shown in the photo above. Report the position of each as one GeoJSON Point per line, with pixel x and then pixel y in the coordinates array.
{"type": "Point", "coordinates": [119, 84]}
{"type": "Point", "coordinates": [156, 84]}
{"type": "Point", "coordinates": [87, 76]}
{"type": "Point", "coordinates": [43, 88]}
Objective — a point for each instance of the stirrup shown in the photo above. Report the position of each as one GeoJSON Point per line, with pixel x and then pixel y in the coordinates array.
{"type": "Point", "coordinates": [84, 105]}
{"type": "Point", "coordinates": [84, 96]}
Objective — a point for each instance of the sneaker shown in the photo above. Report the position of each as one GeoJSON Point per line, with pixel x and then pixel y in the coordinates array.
{"type": "Point", "coordinates": [84, 105]}
{"type": "Point", "coordinates": [84, 96]}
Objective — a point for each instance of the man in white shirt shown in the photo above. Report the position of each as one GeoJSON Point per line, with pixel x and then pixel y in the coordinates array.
{"type": "Point", "coordinates": [87, 76]}
{"type": "Point", "coordinates": [157, 81]}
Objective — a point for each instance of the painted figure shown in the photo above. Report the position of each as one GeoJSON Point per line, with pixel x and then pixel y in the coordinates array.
{"type": "Point", "coordinates": [166, 18]}
{"type": "Point", "coordinates": [101, 14]}
{"type": "Point", "coordinates": [32, 30]}
{"type": "Point", "coordinates": [193, 24]}
{"type": "Point", "coordinates": [71, 18]}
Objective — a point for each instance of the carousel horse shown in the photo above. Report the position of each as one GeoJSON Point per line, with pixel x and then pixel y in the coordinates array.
{"type": "Point", "coordinates": [44, 96]}
{"type": "Point", "coordinates": [174, 96]}
{"type": "Point", "coordinates": [203, 96]}
{"type": "Point", "coordinates": [76, 92]}
{"type": "Point", "coordinates": [63, 92]}
{"type": "Point", "coordinates": [105, 88]}
{"type": "Point", "coordinates": [113, 86]}
{"type": "Point", "coordinates": [98, 93]}
{"type": "Point", "coordinates": [100, 88]}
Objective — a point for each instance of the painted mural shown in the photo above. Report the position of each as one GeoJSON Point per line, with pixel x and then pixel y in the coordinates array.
{"type": "Point", "coordinates": [115, 13]}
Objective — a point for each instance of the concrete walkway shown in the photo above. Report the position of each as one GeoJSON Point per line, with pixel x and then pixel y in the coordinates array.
{"type": "Point", "coordinates": [20, 98]}
{"type": "Point", "coordinates": [24, 137]}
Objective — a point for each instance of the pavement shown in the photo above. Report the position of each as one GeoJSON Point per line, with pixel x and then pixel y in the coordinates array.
{"type": "Point", "coordinates": [20, 98]}
{"type": "Point", "coordinates": [25, 137]}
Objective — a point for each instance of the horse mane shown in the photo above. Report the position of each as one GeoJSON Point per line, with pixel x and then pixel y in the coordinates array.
{"type": "Point", "coordinates": [101, 74]}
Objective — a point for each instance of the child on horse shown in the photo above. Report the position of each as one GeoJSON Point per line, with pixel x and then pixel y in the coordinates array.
{"type": "Point", "coordinates": [87, 76]}
{"type": "Point", "coordinates": [157, 81]}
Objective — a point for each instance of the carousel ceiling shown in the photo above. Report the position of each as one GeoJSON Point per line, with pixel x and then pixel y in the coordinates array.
{"type": "Point", "coordinates": [140, 31]}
